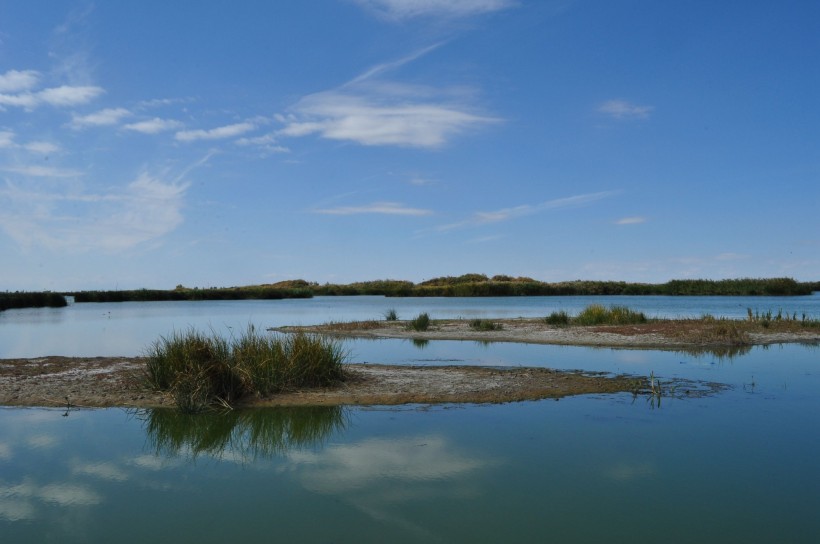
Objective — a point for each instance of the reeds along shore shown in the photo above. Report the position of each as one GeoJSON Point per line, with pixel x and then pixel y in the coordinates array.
{"type": "Point", "coordinates": [202, 371]}
{"type": "Point", "coordinates": [467, 285]}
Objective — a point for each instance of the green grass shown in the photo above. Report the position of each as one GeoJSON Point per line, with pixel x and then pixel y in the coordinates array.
{"type": "Point", "coordinates": [391, 315]}
{"type": "Point", "coordinates": [485, 325]}
{"type": "Point", "coordinates": [597, 314]}
{"type": "Point", "coordinates": [205, 370]}
{"type": "Point", "coordinates": [420, 323]}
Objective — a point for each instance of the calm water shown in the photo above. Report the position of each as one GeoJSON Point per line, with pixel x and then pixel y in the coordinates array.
{"type": "Point", "coordinates": [126, 328]}
{"type": "Point", "coordinates": [738, 466]}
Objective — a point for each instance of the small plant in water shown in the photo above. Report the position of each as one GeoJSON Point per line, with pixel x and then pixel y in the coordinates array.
{"type": "Point", "coordinates": [391, 315]}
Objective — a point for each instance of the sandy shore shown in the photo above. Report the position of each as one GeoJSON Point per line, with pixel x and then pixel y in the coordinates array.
{"type": "Point", "coordinates": [684, 335]}
{"type": "Point", "coordinates": [117, 381]}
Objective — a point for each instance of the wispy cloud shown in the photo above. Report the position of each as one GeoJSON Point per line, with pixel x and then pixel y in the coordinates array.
{"type": "Point", "coordinates": [108, 116]}
{"type": "Point", "coordinates": [381, 208]}
{"type": "Point", "coordinates": [630, 221]}
{"type": "Point", "coordinates": [42, 171]}
{"type": "Point", "coordinates": [63, 96]}
{"type": "Point", "coordinates": [16, 81]}
{"type": "Point", "coordinates": [144, 210]}
{"type": "Point", "coordinates": [7, 142]}
{"type": "Point", "coordinates": [375, 112]}
{"type": "Point", "coordinates": [621, 109]}
{"type": "Point", "coordinates": [153, 126]}
{"type": "Point", "coordinates": [219, 133]}
{"type": "Point", "coordinates": [267, 142]}
{"type": "Point", "coordinates": [408, 9]}
{"type": "Point", "coordinates": [505, 214]}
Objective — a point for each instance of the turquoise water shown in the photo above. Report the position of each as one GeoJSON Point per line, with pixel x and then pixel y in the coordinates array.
{"type": "Point", "coordinates": [126, 328]}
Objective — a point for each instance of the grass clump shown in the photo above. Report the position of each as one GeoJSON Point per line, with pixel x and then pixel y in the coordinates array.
{"type": "Point", "coordinates": [201, 371]}
{"type": "Point", "coordinates": [597, 314]}
{"type": "Point", "coordinates": [485, 325]}
{"type": "Point", "coordinates": [558, 319]}
{"type": "Point", "coordinates": [420, 323]}
{"type": "Point", "coordinates": [391, 315]}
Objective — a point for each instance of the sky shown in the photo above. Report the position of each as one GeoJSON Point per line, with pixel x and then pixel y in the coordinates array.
{"type": "Point", "coordinates": [220, 143]}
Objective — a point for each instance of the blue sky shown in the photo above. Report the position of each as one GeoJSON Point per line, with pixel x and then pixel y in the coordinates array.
{"type": "Point", "coordinates": [216, 143]}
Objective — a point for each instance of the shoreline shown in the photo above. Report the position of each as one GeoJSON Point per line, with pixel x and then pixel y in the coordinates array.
{"type": "Point", "coordinates": [101, 382]}
{"type": "Point", "coordinates": [663, 334]}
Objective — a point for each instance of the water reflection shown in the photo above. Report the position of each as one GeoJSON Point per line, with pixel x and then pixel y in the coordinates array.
{"type": "Point", "coordinates": [249, 434]}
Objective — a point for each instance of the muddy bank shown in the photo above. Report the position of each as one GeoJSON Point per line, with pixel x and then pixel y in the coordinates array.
{"type": "Point", "coordinates": [117, 381]}
{"type": "Point", "coordinates": [679, 335]}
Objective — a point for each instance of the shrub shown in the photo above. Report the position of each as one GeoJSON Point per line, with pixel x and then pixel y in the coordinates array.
{"type": "Point", "coordinates": [420, 323]}
{"type": "Point", "coordinates": [560, 318]}
{"type": "Point", "coordinates": [391, 315]}
{"type": "Point", "coordinates": [485, 325]}
{"type": "Point", "coordinates": [200, 370]}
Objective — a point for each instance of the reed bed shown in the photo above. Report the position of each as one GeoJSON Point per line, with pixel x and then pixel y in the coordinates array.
{"type": "Point", "coordinates": [202, 371]}
{"type": "Point", "coordinates": [597, 314]}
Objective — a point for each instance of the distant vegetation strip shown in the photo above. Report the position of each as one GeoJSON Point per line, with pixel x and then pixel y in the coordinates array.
{"type": "Point", "coordinates": [9, 301]}
{"type": "Point", "coordinates": [260, 292]}
{"type": "Point", "coordinates": [467, 285]}
{"type": "Point", "coordinates": [479, 285]}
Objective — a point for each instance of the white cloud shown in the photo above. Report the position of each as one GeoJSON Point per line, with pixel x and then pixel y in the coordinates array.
{"type": "Point", "coordinates": [505, 214]}
{"type": "Point", "coordinates": [42, 171]}
{"type": "Point", "coordinates": [372, 117]}
{"type": "Point", "coordinates": [154, 126]}
{"type": "Point", "coordinates": [68, 95]}
{"type": "Point", "coordinates": [59, 219]}
{"type": "Point", "coordinates": [621, 109]}
{"type": "Point", "coordinates": [7, 139]}
{"type": "Point", "coordinates": [407, 9]}
{"type": "Point", "coordinates": [44, 148]}
{"type": "Point", "coordinates": [15, 81]}
{"type": "Point", "coordinates": [228, 131]}
{"type": "Point", "coordinates": [630, 221]}
{"type": "Point", "coordinates": [383, 208]}
{"type": "Point", "coordinates": [268, 142]}
{"type": "Point", "coordinates": [7, 142]}
{"type": "Point", "coordinates": [63, 96]}
{"type": "Point", "coordinates": [108, 116]}
{"type": "Point", "coordinates": [378, 113]}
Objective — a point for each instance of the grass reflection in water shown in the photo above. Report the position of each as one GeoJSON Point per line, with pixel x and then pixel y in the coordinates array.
{"type": "Point", "coordinates": [249, 434]}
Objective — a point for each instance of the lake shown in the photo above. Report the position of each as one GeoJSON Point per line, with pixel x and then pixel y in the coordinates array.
{"type": "Point", "coordinates": [736, 466]}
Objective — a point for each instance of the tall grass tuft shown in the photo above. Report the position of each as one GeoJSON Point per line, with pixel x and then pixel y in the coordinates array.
{"type": "Point", "coordinates": [391, 315]}
{"type": "Point", "coordinates": [200, 371]}
{"type": "Point", "coordinates": [559, 319]}
{"type": "Point", "coordinates": [485, 325]}
{"type": "Point", "coordinates": [420, 323]}
{"type": "Point", "coordinates": [597, 314]}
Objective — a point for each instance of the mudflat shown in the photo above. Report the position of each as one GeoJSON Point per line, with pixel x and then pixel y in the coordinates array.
{"type": "Point", "coordinates": [119, 381]}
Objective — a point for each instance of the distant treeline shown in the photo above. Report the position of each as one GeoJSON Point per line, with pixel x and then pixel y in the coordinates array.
{"type": "Point", "coordinates": [31, 300]}
{"type": "Point", "coordinates": [468, 285]}
{"type": "Point", "coordinates": [479, 285]}
{"type": "Point", "coordinates": [260, 292]}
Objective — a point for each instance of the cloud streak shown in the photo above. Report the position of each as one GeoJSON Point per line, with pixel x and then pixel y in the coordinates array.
{"type": "Point", "coordinates": [379, 208]}
{"type": "Point", "coordinates": [505, 214]}
{"type": "Point", "coordinates": [219, 133]}
{"type": "Point", "coordinates": [623, 110]}
{"type": "Point", "coordinates": [398, 10]}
